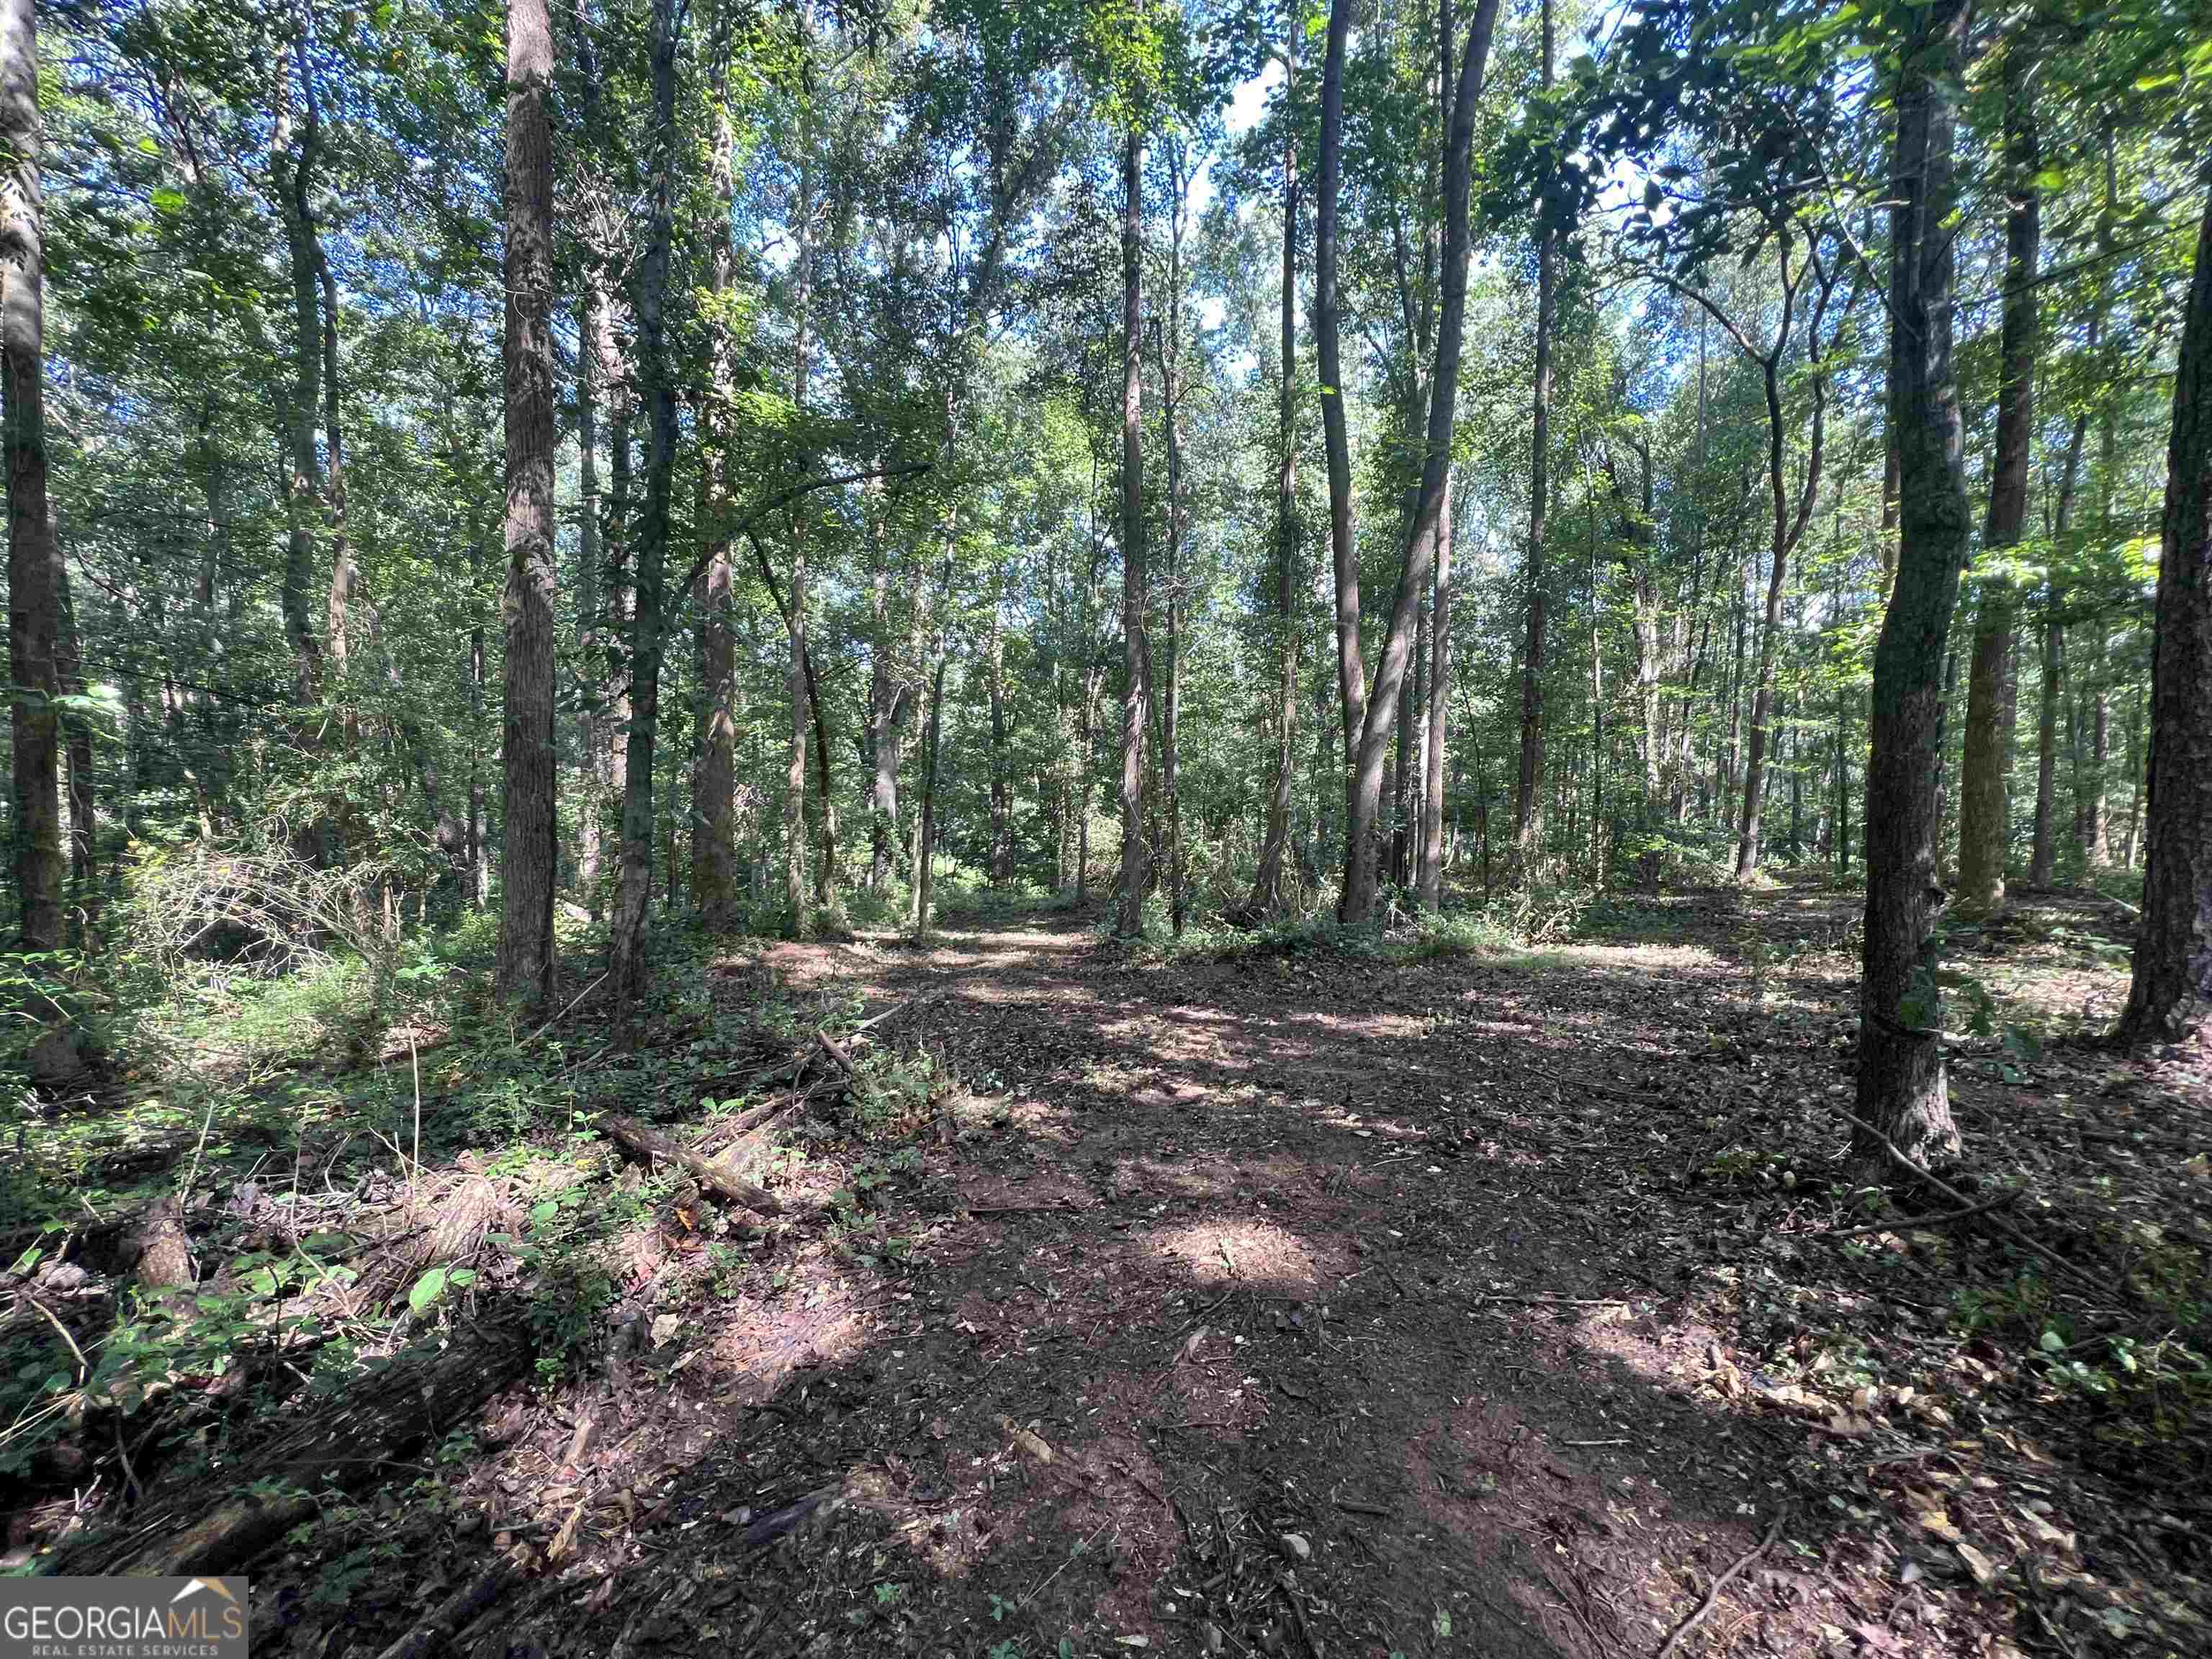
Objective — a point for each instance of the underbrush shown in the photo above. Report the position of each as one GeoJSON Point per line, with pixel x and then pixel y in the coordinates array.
{"type": "Point", "coordinates": [1511, 923]}
{"type": "Point", "coordinates": [311, 1172]}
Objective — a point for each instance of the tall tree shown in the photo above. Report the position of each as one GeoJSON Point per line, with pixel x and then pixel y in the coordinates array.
{"type": "Point", "coordinates": [1984, 800]}
{"type": "Point", "coordinates": [1902, 1092]}
{"type": "Point", "coordinates": [33, 598]}
{"type": "Point", "coordinates": [531, 865]}
{"type": "Point", "coordinates": [1129, 899]}
{"type": "Point", "coordinates": [2172, 984]}
{"type": "Point", "coordinates": [1336, 441]}
{"type": "Point", "coordinates": [1528, 787]}
{"type": "Point", "coordinates": [627, 935]}
{"type": "Point", "coordinates": [1361, 848]}
{"type": "Point", "coordinates": [1267, 895]}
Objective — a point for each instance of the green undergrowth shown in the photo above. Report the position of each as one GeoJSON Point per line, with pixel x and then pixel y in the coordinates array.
{"type": "Point", "coordinates": [361, 1155]}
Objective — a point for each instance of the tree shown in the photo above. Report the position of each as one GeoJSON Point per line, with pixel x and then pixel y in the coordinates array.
{"type": "Point", "coordinates": [1129, 893]}
{"type": "Point", "coordinates": [1984, 803]}
{"type": "Point", "coordinates": [2171, 981]}
{"type": "Point", "coordinates": [1267, 895]}
{"type": "Point", "coordinates": [1351, 664]}
{"type": "Point", "coordinates": [626, 931]}
{"type": "Point", "coordinates": [1361, 850]}
{"type": "Point", "coordinates": [1529, 788]}
{"type": "Point", "coordinates": [531, 865]}
{"type": "Point", "coordinates": [1903, 1092]}
{"type": "Point", "coordinates": [33, 596]}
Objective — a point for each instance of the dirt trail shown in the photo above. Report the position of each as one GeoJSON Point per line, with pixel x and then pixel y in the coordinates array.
{"type": "Point", "coordinates": [1302, 1305]}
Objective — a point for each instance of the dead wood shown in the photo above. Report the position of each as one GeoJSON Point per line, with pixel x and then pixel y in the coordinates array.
{"type": "Point", "coordinates": [454, 1612]}
{"type": "Point", "coordinates": [645, 1142]}
{"type": "Point", "coordinates": [2079, 1275]}
{"type": "Point", "coordinates": [1704, 1609]}
{"type": "Point", "coordinates": [339, 1440]}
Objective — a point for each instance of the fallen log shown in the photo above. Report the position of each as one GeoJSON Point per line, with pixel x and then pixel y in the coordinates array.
{"type": "Point", "coordinates": [645, 1142]}
{"type": "Point", "coordinates": [340, 1441]}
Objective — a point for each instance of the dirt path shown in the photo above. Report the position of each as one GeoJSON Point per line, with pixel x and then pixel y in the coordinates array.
{"type": "Point", "coordinates": [1307, 1304]}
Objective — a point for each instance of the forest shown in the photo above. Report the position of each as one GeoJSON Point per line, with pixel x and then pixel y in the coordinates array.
{"type": "Point", "coordinates": [1249, 826]}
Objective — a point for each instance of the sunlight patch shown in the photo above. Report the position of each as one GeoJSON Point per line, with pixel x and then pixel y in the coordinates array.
{"type": "Point", "coordinates": [1232, 1249]}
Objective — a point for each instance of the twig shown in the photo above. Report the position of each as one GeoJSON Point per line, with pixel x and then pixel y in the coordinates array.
{"type": "Point", "coordinates": [184, 1192]}
{"type": "Point", "coordinates": [1704, 1609]}
{"type": "Point", "coordinates": [1561, 1301]}
{"type": "Point", "coordinates": [1594, 1443]}
{"type": "Point", "coordinates": [1064, 1565]}
{"type": "Point", "coordinates": [1959, 1199]}
{"type": "Point", "coordinates": [1902, 1221]}
{"type": "Point", "coordinates": [414, 1069]}
{"type": "Point", "coordinates": [556, 1019]}
{"type": "Point", "coordinates": [874, 1020]}
{"type": "Point", "coordinates": [83, 1368]}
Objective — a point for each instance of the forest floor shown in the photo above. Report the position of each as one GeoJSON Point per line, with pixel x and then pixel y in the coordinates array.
{"type": "Point", "coordinates": [1292, 1300]}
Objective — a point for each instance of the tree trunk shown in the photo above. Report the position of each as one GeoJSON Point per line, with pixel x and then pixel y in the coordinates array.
{"type": "Point", "coordinates": [1001, 864]}
{"type": "Point", "coordinates": [2172, 985]}
{"type": "Point", "coordinates": [1359, 878]}
{"type": "Point", "coordinates": [925, 851]}
{"type": "Point", "coordinates": [1528, 789]}
{"type": "Point", "coordinates": [292, 148]}
{"type": "Point", "coordinates": [1267, 885]}
{"type": "Point", "coordinates": [1428, 882]}
{"type": "Point", "coordinates": [1171, 370]}
{"type": "Point", "coordinates": [1128, 920]}
{"type": "Point", "coordinates": [618, 602]}
{"type": "Point", "coordinates": [627, 935]}
{"type": "Point", "coordinates": [77, 735]}
{"type": "Point", "coordinates": [1984, 802]}
{"type": "Point", "coordinates": [531, 866]}
{"type": "Point", "coordinates": [34, 600]}
{"type": "Point", "coordinates": [714, 882]}
{"type": "Point", "coordinates": [887, 700]}
{"type": "Point", "coordinates": [1902, 1089]}
{"type": "Point", "coordinates": [591, 729]}
{"type": "Point", "coordinates": [2043, 857]}
{"type": "Point", "coordinates": [1351, 666]}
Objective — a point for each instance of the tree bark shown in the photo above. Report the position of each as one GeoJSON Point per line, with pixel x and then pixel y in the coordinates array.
{"type": "Point", "coordinates": [1170, 372]}
{"type": "Point", "coordinates": [590, 728]}
{"type": "Point", "coordinates": [2172, 985]}
{"type": "Point", "coordinates": [1129, 920]}
{"type": "Point", "coordinates": [531, 866]}
{"type": "Point", "coordinates": [1528, 787]}
{"type": "Point", "coordinates": [1351, 666]}
{"type": "Point", "coordinates": [1360, 849]}
{"type": "Point", "coordinates": [1902, 1088]}
{"type": "Point", "coordinates": [293, 145]}
{"type": "Point", "coordinates": [713, 769]}
{"type": "Point", "coordinates": [1984, 801]}
{"type": "Point", "coordinates": [1267, 886]}
{"type": "Point", "coordinates": [1429, 877]}
{"type": "Point", "coordinates": [34, 600]}
{"type": "Point", "coordinates": [628, 967]}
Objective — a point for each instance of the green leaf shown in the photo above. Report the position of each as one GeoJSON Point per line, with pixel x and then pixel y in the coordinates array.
{"type": "Point", "coordinates": [428, 1289]}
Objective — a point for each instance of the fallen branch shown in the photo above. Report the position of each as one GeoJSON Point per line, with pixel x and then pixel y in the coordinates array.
{"type": "Point", "coordinates": [2078, 1274]}
{"type": "Point", "coordinates": [1903, 1223]}
{"type": "Point", "coordinates": [716, 1179]}
{"type": "Point", "coordinates": [382, 1412]}
{"type": "Point", "coordinates": [874, 1020]}
{"type": "Point", "coordinates": [842, 1061]}
{"type": "Point", "coordinates": [1705, 1608]}
{"type": "Point", "coordinates": [770, 1528]}
{"type": "Point", "coordinates": [563, 1014]}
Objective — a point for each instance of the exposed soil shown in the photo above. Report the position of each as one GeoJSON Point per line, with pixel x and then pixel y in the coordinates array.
{"type": "Point", "coordinates": [1308, 1304]}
